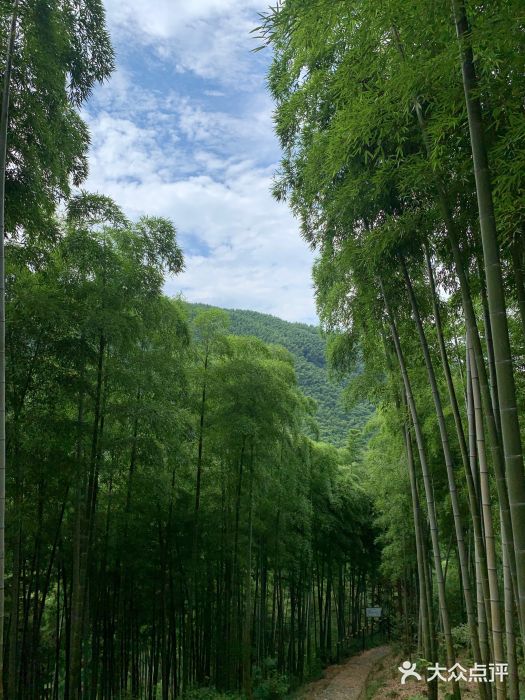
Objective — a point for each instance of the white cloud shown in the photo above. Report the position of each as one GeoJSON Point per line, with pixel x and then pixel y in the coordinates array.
{"type": "Point", "coordinates": [122, 150]}
{"type": "Point", "coordinates": [255, 258]}
{"type": "Point", "coordinates": [173, 116]}
{"type": "Point", "coordinates": [206, 37]}
{"type": "Point", "coordinates": [171, 150]}
{"type": "Point", "coordinates": [214, 93]}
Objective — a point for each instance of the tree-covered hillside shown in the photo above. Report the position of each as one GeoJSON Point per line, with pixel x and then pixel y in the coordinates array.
{"type": "Point", "coordinates": [308, 348]}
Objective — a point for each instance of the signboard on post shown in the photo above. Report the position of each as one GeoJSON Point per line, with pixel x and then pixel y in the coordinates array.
{"type": "Point", "coordinates": [373, 612]}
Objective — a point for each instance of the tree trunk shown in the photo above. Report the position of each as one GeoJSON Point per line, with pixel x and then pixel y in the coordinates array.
{"type": "Point", "coordinates": [516, 252]}
{"type": "Point", "coordinates": [495, 606]}
{"type": "Point", "coordinates": [468, 458]}
{"type": "Point", "coordinates": [4, 118]}
{"type": "Point", "coordinates": [246, 635]}
{"type": "Point", "coordinates": [451, 655]}
{"type": "Point", "coordinates": [425, 608]}
{"type": "Point", "coordinates": [75, 618]}
{"type": "Point", "coordinates": [482, 585]}
{"type": "Point", "coordinates": [489, 342]}
{"type": "Point", "coordinates": [451, 477]}
{"type": "Point", "coordinates": [470, 320]}
{"type": "Point", "coordinates": [198, 478]}
{"type": "Point", "coordinates": [510, 428]}
{"type": "Point", "coordinates": [513, 684]}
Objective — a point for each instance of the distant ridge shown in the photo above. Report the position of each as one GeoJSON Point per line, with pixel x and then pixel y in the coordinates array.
{"type": "Point", "coordinates": [308, 347]}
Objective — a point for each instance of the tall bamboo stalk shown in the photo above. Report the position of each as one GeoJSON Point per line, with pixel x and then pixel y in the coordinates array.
{"type": "Point", "coordinates": [469, 460]}
{"type": "Point", "coordinates": [451, 477]}
{"type": "Point", "coordinates": [510, 428]}
{"type": "Point", "coordinates": [495, 604]}
{"type": "Point", "coordinates": [484, 618]}
{"type": "Point", "coordinates": [429, 494]}
{"type": "Point", "coordinates": [4, 119]}
{"type": "Point", "coordinates": [519, 278]}
{"type": "Point", "coordinates": [425, 603]}
{"type": "Point", "coordinates": [494, 442]}
{"type": "Point", "coordinates": [510, 637]}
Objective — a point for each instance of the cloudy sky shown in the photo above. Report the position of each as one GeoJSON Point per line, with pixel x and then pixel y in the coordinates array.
{"type": "Point", "coordinates": [183, 129]}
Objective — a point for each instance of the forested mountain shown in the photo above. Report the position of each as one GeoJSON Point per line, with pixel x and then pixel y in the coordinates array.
{"type": "Point", "coordinates": [308, 348]}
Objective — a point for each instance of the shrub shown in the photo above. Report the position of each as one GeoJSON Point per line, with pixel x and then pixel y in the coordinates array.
{"type": "Point", "coordinates": [209, 693]}
{"type": "Point", "coordinates": [268, 683]}
{"type": "Point", "coordinates": [461, 636]}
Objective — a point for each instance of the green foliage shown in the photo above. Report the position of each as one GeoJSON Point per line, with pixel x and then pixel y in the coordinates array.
{"type": "Point", "coordinates": [62, 50]}
{"type": "Point", "coordinates": [308, 348]}
{"type": "Point", "coordinates": [377, 162]}
{"type": "Point", "coordinates": [209, 693]}
{"type": "Point", "coordinates": [174, 454]}
{"type": "Point", "coordinates": [269, 684]}
{"type": "Point", "coordinates": [203, 502]}
{"type": "Point", "coordinates": [372, 688]}
{"type": "Point", "coordinates": [461, 636]}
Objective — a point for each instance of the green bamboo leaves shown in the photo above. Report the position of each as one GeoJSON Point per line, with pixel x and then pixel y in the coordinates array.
{"type": "Point", "coordinates": [379, 134]}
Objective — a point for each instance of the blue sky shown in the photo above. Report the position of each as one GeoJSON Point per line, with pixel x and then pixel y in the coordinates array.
{"type": "Point", "coordinates": [183, 129]}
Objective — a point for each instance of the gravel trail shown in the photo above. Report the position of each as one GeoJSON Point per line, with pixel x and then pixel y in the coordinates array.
{"type": "Point", "coordinates": [346, 681]}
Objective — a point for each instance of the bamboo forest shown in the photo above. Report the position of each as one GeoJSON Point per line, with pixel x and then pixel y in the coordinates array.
{"type": "Point", "coordinates": [262, 350]}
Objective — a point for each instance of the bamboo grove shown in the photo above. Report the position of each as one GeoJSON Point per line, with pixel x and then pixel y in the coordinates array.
{"type": "Point", "coordinates": [402, 130]}
{"type": "Point", "coordinates": [171, 525]}
{"type": "Point", "coordinates": [170, 528]}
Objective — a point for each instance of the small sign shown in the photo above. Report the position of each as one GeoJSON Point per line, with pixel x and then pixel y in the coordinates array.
{"type": "Point", "coordinates": [373, 612]}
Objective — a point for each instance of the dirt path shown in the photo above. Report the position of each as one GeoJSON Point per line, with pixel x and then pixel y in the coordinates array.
{"type": "Point", "coordinates": [346, 681]}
